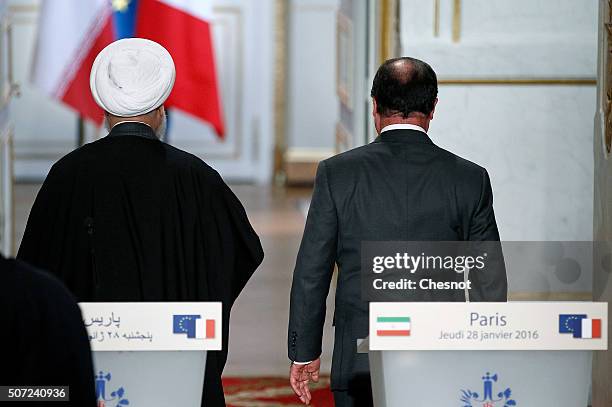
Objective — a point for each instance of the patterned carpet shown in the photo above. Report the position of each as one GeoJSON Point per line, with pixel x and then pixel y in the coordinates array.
{"type": "Point", "coordinates": [272, 392]}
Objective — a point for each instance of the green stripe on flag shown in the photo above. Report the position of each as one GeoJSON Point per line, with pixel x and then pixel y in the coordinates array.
{"type": "Point", "coordinates": [393, 319]}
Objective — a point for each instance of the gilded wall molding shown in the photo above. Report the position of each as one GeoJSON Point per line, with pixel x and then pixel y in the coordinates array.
{"type": "Point", "coordinates": [550, 296]}
{"type": "Point", "coordinates": [456, 27]}
{"type": "Point", "coordinates": [520, 81]}
{"type": "Point", "coordinates": [281, 17]}
{"type": "Point", "coordinates": [388, 32]}
{"type": "Point", "coordinates": [436, 21]}
{"type": "Point", "coordinates": [607, 80]}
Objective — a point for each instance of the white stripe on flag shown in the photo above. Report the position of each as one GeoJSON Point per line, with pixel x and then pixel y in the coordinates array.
{"type": "Point", "coordinates": [200, 332]}
{"type": "Point", "coordinates": [587, 328]}
{"type": "Point", "coordinates": [66, 29]}
{"type": "Point", "coordinates": [201, 9]}
{"type": "Point", "coordinates": [393, 325]}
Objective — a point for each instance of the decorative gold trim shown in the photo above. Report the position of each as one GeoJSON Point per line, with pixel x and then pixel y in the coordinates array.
{"type": "Point", "coordinates": [344, 60]}
{"type": "Point", "coordinates": [388, 30]}
{"type": "Point", "coordinates": [606, 86]}
{"type": "Point", "coordinates": [436, 18]}
{"type": "Point", "coordinates": [23, 8]}
{"type": "Point", "coordinates": [281, 17]}
{"type": "Point", "coordinates": [456, 20]}
{"type": "Point", "coordinates": [549, 296]}
{"type": "Point", "coordinates": [383, 46]}
{"type": "Point", "coordinates": [343, 138]}
{"type": "Point", "coordinates": [519, 81]}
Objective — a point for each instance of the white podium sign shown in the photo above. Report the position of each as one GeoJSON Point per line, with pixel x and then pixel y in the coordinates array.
{"type": "Point", "coordinates": [484, 354]}
{"type": "Point", "coordinates": [152, 326]}
{"type": "Point", "coordinates": [489, 326]}
{"type": "Point", "coordinates": [151, 354]}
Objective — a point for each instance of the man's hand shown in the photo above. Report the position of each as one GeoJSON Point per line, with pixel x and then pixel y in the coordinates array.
{"type": "Point", "coordinates": [301, 375]}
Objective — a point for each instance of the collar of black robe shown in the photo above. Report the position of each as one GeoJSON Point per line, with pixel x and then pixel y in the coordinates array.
{"type": "Point", "coordinates": [403, 136]}
{"type": "Point", "coordinates": [133, 129]}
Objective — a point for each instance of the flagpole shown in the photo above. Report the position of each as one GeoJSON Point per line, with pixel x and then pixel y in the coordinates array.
{"type": "Point", "coordinates": [80, 131]}
{"type": "Point", "coordinates": [168, 121]}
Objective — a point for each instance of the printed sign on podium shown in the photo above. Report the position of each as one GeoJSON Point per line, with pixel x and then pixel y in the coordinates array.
{"type": "Point", "coordinates": [484, 354]}
{"type": "Point", "coordinates": [151, 354]}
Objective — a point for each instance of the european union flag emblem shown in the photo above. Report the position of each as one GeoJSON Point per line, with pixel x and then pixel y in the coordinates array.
{"type": "Point", "coordinates": [185, 324]}
{"type": "Point", "coordinates": [571, 323]}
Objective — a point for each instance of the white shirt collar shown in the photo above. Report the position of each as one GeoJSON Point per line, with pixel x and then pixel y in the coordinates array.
{"type": "Point", "coordinates": [402, 126]}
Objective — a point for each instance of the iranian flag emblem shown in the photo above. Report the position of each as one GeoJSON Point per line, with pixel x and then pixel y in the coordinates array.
{"type": "Point", "coordinates": [393, 326]}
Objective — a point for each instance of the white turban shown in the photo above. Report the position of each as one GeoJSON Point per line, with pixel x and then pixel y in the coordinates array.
{"type": "Point", "coordinates": [132, 77]}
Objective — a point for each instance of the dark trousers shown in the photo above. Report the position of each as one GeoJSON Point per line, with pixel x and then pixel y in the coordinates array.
{"type": "Point", "coordinates": [359, 393]}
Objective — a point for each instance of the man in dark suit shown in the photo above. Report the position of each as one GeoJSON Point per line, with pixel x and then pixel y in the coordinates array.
{"type": "Point", "coordinates": [401, 187]}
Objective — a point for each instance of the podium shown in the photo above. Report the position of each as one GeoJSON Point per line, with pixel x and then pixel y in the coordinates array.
{"type": "Point", "coordinates": [484, 354]}
{"type": "Point", "coordinates": [151, 354]}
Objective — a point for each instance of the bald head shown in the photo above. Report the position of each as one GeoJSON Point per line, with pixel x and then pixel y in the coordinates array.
{"type": "Point", "coordinates": [404, 88]}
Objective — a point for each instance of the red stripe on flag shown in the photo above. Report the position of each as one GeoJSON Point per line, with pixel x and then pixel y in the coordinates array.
{"type": "Point", "coordinates": [78, 94]}
{"type": "Point", "coordinates": [596, 328]}
{"type": "Point", "coordinates": [189, 41]}
{"type": "Point", "coordinates": [392, 332]}
{"type": "Point", "coordinates": [210, 328]}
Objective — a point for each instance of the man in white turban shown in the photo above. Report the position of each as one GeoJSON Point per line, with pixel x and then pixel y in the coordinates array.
{"type": "Point", "coordinates": [131, 79]}
{"type": "Point", "coordinates": [131, 218]}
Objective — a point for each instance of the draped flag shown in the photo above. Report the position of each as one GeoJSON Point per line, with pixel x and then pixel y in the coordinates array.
{"type": "Point", "coordinates": [72, 32]}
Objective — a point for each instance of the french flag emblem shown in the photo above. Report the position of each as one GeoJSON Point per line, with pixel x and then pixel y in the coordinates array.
{"type": "Point", "coordinates": [590, 328]}
{"type": "Point", "coordinates": [580, 326]}
{"type": "Point", "coordinates": [194, 326]}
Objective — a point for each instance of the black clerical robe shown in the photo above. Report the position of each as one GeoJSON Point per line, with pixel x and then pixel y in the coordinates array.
{"type": "Point", "coordinates": [130, 218]}
{"type": "Point", "coordinates": [42, 338]}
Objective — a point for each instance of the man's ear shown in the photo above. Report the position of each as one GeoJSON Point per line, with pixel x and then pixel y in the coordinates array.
{"type": "Point", "coordinates": [431, 114]}
{"type": "Point", "coordinates": [161, 112]}
{"type": "Point", "coordinates": [374, 107]}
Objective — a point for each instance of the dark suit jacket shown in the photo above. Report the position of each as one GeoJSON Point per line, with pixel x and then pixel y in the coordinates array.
{"type": "Point", "coordinates": [43, 341]}
{"type": "Point", "coordinates": [400, 187]}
